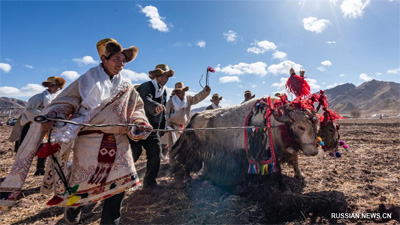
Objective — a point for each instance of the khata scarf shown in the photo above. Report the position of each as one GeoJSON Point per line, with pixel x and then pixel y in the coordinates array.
{"type": "Point", "coordinates": [215, 106]}
{"type": "Point", "coordinates": [96, 87]}
{"type": "Point", "coordinates": [159, 90]}
{"type": "Point", "coordinates": [178, 103]}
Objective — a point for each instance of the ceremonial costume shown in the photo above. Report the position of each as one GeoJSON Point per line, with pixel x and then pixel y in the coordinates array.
{"type": "Point", "coordinates": [178, 113]}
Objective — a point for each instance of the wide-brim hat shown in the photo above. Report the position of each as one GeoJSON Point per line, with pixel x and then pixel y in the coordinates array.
{"type": "Point", "coordinates": [109, 47]}
{"type": "Point", "coordinates": [249, 93]}
{"type": "Point", "coordinates": [216, 96]}
{"type": "Point", "coordinates": [180, 87]}
{"type": "Point", "coordinates": [161, 69]}
{"type": "Point", "coordinates": [59, 81]}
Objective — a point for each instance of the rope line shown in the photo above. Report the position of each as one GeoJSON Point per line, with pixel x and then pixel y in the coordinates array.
{"type": "Point", "coordinates": [154, 130]}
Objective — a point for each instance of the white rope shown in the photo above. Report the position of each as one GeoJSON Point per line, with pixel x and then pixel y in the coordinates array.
{"type": "Point", "coordinates": [154, 130]}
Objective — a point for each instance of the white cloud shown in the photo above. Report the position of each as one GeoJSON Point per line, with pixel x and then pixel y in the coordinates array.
{"type": "Point", "coordinates": [331, 42]}
{"type": "Point", "coordinates": [365, 77]}
{"type": "Point", "coordinates": [86, 60]}
{"type": "Point", "coordinates": [279, 55]}
{"type": "Point", "coordinates": [283, 67]}
{"type": "Point", "coordinates": [379, 74]}
{"type": "Point", "coordinates": [333, 85]}
{"type": "Point", "coordinates": [5, 67]}
{"type": "Point", "coordinates": [133, 76]}
{"type": "Point", "coordinates": [321, 68]}
{"type": "Point", "coordinates": [262, 47]}
{"type": "Point", "coordinates": [313, 84]}
{"type": "Point", "coordinates": [281, 85]}
{"type": "Point", "coordinates": [393, 71]}
{"type": "Point", "coordinates": [156, 21]}
{"type": "Point", "coordinates": [257, 68]}
{"type": "Point", "coordinates": [326, 63]}
{"type": "Point", "coordinates": [342, 75]}
{"type": "Point", "coordinates": [26, 91]}
{"type": "Point", "coordinates": [253, 86]}
{"type": "Point", "coordinates": [314, 24]}
{"type": "Point", "coordinates": [231, 36]}
{"type": "Point", "coordinates": [28, 66]}
{"type": "Point", "coordinates": [354, 8]}
{"type": "Point", "coordinates": [228, 79]}
{"type": "Point", "coordinates": [71, 75]}
{"type": "Point", "coordinates": [201, 44]}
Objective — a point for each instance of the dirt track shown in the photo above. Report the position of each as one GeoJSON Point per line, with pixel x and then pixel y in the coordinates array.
{"type": "Point", "coordinates": [365, 181]}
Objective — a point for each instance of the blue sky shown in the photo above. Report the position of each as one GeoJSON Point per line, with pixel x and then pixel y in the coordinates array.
{"type": "Point", "coordinates": [250, 44]}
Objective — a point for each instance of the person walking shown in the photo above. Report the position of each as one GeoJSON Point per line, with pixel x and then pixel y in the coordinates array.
{"type": "Point", "coordinates": [154, 95]}
{"type": "Point", "coordinates": [35, 105]}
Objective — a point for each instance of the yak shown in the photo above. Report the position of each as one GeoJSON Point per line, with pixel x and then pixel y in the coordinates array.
{"type": "Point", "coordinates": [222, 153]}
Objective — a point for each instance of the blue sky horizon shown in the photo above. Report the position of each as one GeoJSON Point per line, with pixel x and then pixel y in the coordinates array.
{"type": "Point", "coordinates": [250, 44]}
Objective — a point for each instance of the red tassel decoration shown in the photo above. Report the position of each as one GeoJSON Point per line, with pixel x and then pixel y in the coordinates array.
{"type": "Point", "coordinates": [47, 150]}
{"type": "Point", "coordinates": [55, 200]}
{"type": "Point", "coordinates": [329, 115]}
{"type": "Point", "coordinates": [298, 85]}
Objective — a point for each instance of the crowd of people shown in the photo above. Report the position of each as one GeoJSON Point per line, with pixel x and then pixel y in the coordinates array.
{"type": "Point", "coordinates": [102, 166]}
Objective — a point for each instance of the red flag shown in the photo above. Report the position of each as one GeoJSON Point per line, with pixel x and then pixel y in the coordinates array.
{"type": "Point", "coordinates": [210, 69]}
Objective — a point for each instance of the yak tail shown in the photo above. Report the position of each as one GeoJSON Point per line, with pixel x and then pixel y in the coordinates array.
{"type": "Point", "coordinates": [185, 154]}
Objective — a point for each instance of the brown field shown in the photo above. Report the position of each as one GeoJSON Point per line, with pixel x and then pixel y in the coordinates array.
{"type": "Point", "coordinates": [365, 181]}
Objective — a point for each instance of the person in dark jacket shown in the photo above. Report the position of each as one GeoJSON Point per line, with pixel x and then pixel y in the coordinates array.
{"type": "Point", "coordinates": [215, 102]}
{"type": "Point", "coordinates": [154, 96]}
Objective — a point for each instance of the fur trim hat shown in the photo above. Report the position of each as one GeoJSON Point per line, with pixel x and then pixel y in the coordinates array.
{"type": "Point", "coordinates": [216, 96]}
{"type": "Point", "coordinates": [109, 47]}
{"type": "Point", "coordinates": [160, 70]}
{"type": "Point", "coordinates": [59, 81]}
{"type": "Point", "coordinates": [246, 93]}
{"type": "Point", "coordinates": [180, 87]}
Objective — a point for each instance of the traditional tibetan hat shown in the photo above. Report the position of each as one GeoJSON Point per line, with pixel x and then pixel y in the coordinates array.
{"type": "Point", "coordinates": [215, 97]}
{"type": "Point", "coordinates": [59, 81]}
{"type": "Point", "coordinates": [180, 87]}
{"type": "Point", "coordinates": [248, 93]}
{"type": "Point", "coordinates": [109, 47]}
{"type": "Point", "coordinates": [160, 70]}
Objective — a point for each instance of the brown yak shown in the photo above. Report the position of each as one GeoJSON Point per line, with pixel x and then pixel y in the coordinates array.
{"type": "Point", "coordinates": [221, 153]}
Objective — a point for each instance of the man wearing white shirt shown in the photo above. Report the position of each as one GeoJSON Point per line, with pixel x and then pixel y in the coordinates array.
{"type": "Point", "coordinates": [154, 96]}
{"type": "Point", "coordinates": [35, 105]}
{"type": "Point", "coordinates": [215, 99]}
{"type": "Point", "coordinates": [179, 109]}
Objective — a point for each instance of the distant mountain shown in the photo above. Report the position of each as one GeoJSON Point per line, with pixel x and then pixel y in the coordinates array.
{"type": "Point", "coordinates": [11, 106]}
{"type": "Point", "coordinates": [370, 97]}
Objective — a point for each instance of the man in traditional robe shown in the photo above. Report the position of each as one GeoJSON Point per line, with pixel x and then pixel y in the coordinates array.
{"type": "Point", "coordinates": [102, 165]}
{"type": "Point", "coordinates": [35, 105]}
{"type": "Point", "coordinates": [215, 99]}
{"type": "Point", "coordinates": [178, 109]}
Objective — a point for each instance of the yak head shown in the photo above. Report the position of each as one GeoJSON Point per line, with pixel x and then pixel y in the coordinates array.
{"type": "Point", "coordinates": [329, 133]}
{"type": "Point", "coordinates": [302, 126]}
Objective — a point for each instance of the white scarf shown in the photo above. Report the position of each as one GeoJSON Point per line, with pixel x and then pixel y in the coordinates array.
{"type": "Point", "coordinates": [48, 97]}
{"type": "Point", "coordinates": [95, 87]}
{"type": "Point", "coordinates": [215, 106]}
{"type": "Point", "coordinates": [159, 91]}
{"type": "Point", "coordinates": [96, 90]}
{"type": "Point", "coordinates": [178, 103]}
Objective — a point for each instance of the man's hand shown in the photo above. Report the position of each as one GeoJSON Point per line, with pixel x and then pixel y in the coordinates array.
{"type": "Point", "coordinates": [207, 88]}
{"type": "Point", "coordinates": [140, 132]}
{"type": "Point", "coordinates": [47, 126]}
{"type": "Point", "coordinates": [159, 109]}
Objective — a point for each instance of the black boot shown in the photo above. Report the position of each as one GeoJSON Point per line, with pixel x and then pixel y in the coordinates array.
{"type": "Point", "coordinates": [40, 166]}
